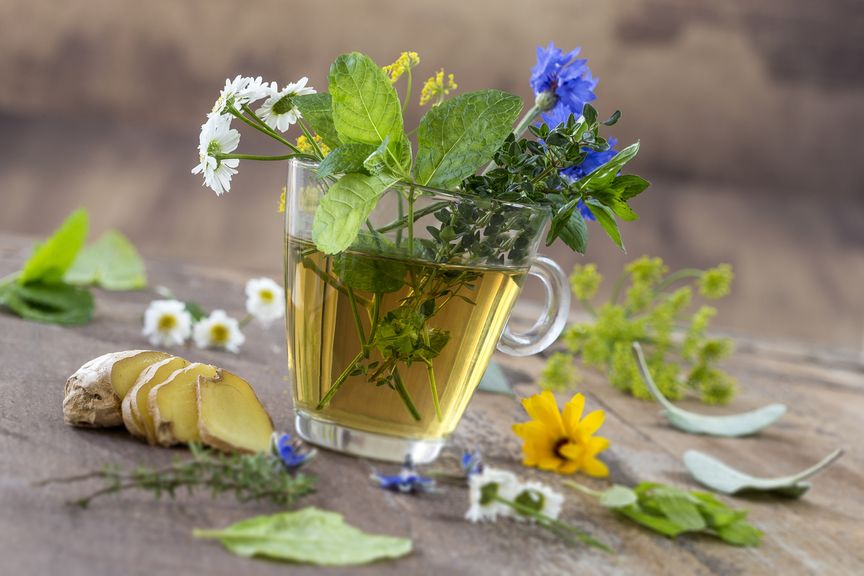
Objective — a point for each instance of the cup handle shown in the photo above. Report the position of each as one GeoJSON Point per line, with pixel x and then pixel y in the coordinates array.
{"type": "Point", "coordinates": [549, 326]}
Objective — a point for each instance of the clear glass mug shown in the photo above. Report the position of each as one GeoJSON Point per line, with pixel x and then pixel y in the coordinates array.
{"type": "Point", "coordinates": [388, 340]}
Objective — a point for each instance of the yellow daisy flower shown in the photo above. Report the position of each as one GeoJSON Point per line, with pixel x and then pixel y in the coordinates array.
{"type": "Point", "coordinates": [562, 442]}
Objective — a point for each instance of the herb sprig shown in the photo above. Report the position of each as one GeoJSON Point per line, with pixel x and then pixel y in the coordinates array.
{"type": "Point", "coordinates": [260, 476]}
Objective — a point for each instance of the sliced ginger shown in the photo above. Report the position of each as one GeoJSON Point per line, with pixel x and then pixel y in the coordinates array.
{"type": "Point", "coordinates": [93, 395]}
{"type": "Point", "coordinates": [230, 416]}
{"type": "Point", "coordinates": [135, 408]}
{"type": "Point", "coordinates": [174, 405]}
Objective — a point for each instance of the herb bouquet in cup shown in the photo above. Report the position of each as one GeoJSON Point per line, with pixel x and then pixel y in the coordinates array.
{"type": "Point", "coordinates": [405, 250]}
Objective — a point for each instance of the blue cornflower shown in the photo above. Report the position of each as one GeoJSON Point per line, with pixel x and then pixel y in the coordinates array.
{"type": "Point", "coordinates": [291, 452]}
{"type": "Point", "coordinates": [592, 161]}
{"type": "Point", "coordinates": [565, 76]}
{"type": "Point", "coordinates": [408, 481]}
{"type": "Point", "coordinates": [472, 462]}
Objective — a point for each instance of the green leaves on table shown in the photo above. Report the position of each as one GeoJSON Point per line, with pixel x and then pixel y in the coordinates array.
{"type": "Point", "coordinates": [45, 290]}
{"type": "Point", "coordinates": [55, 255]}
{"type": "Point", "coordinates": [310, 535]}
{"type": "Point", "coordinates": [112, 262]}
{"type": "Point", "coordinates": [671, 512]}
{"type": "Point", "coordinates": [460, 135]}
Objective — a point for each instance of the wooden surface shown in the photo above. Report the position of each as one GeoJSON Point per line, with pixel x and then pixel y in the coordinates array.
{"type": "Point", "coordinates": [132, 534]}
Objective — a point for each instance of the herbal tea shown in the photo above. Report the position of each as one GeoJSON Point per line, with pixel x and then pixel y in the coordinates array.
{"type": "Point", "coordinates": [390, 346]}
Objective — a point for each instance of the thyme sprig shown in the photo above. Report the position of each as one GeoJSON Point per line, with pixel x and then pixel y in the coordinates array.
{"type": "Point", "coordinates": [248, 477]}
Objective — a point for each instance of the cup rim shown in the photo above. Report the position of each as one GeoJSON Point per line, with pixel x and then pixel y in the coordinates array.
{"type": "Point", "coordinates": [452, 194]}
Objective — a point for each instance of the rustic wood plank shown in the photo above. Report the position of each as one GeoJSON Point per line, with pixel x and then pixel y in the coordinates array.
{"type": "Point", "coordinates": [133, 534]}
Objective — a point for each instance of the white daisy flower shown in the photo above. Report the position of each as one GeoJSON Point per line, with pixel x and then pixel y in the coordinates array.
{"type": "Point", "coordinates": [482, 490]}
{"type": "Point", "coordinates": [167, 323]}
{"type": "Point", "coordinates": [279, 111]}
{"type": "Point", "coordinates": [540, 498]}
{"type": "Point", "coordinates": [265, 300]}
{"type": "Point", "coordinates": [217, 137]}
{"type": "Point", "coordinates": [219, 331]}
{"type": "Point", "coordinates": [241, 90]}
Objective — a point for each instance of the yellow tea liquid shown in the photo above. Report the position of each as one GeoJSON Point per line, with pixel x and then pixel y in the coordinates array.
{"type": "Point", "coordinates": [323, 339]}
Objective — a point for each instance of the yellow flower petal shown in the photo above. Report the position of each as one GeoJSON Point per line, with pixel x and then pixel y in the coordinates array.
{"type": "Point", "coordinates": [569, 467]}
{"type": "Point", "coordinates": [573, 452]}
{"type": "Point", "coordinates": [572, 413]}
{"type": "Point", "coordinates": [592, 422]}
{"type": "Point", "coordinates": [594, 467]}
{"type": "Point", "coordinates": [596, 445]}
{"type": "Point", "coordinates": [532, 430]}
{"type": "Point", "coordinates": [549, 463]}
{"type": "Point", "coordinates": [543, 408]}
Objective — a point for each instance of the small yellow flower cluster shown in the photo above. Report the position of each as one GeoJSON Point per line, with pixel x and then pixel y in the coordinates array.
{"type": "Point", "coordinates": [436, 87]}
{"type": "Point", "coordinates": [306, 147]}
{"type": "Point", "coordinates": [282, 198]}
{"type": "Point", "coordinates": [405, 62]}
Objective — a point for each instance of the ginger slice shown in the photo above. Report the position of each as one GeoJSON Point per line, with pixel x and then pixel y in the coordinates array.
{"type": "Point", "coordinates": [174, 405]}
{"type": "Point", "coordinates": [93, 395]}
{"type": "Point", "coordinates": [230, 415]}
{"type": "Point", "coordinates": [135, 409]}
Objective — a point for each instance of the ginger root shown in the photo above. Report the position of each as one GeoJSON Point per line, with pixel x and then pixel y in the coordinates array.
{"type": "Point", "coordinates": [174, 405]}
{"type": "Point", "coordinates": [230, 416]}
{"type": "Point", "coordinates": [92, 396]}
{"type": "Point", "coordinates": [166, 400]}
{"type": "Point", "coordinates": [135, 407]}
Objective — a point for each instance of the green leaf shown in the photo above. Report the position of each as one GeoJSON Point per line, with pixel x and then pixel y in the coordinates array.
{"type": "Point", "coordinates": [317, 110]}
{"type": "Point", "coordinates": [460, 135]}
{"type": "Point", "coordinates": [574, 232]}
{"type": "Point", "coordinates": [613, 119]}
{"type": "Point", "coordinates": [606, 219]}
{"type": "Point", "coordinates": [111, 262]}
{"type": "Point", "coordinates": [618, 497]}
{"type": "Point", "coordinates": [656, 523]}
{"type": "Point", "coordinates": [629, 186]}
{"type": "Point", "coordinates": [366, 107]}
{"type": "Point", "coordinates": [369, 274]}
{"type": "Point", "coordinates": [310, 535]}
{"type": "Point", "coordinates": [196, 311]}
{"type": "Point", "coordinates": [679, 507]}
{"type": "Point", "coordinates": [741, 534]}
{"type": "Point", "coordinates": [494, 380]}
{"type": "Point", "coordinates": [55, 303]}
{"type": "Point", "coordinates": [55, 255]}
{"type": "Point", "coordinates": [344, 208]}
{"type": "Point", "coordinates": [344, 159]}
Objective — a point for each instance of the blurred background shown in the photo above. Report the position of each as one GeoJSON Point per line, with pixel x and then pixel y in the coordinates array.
{"type": "Point", "coordinates": [750, 116]}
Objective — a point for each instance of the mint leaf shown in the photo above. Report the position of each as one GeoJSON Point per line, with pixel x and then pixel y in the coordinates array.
{"type": "Point", "coordinates": [618, 497]}
{"type": "Point", "coordinates": [606, 219]}
{"type": "Point", "coordinates": [457, 137]}
{"type": "Point", "coordinates": [344, 159]}
{"type": "Point", "coordinates": [317, 110]}
{"type": "Point", "coordinates": [111, 262]}
{"type": "Point", "coordinates": [679, 507]}
{"type": "Point", "coordinates": [344, 208]}
{"type": "Point", "coordinates": [310, 535]}
{"type": "Point", "coordinates": [52, 258]}
{"type": "Point", "coordinates": [574, 232]}
{"type": "Point", "coordinates": [658, 524]}
{"type": "Point", "coordinates": [55, 303]}
{"type": "Point", "coordinates": [629, 186]}
{"type": "Point", "coordinates": [366, 107]}
{"type": "Point", "coordinates": [369, 274]}
{"type": "Point", "coordinates": [740, 534]}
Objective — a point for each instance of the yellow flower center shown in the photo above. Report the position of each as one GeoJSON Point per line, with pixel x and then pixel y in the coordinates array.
{"type": "Point", "coordinates": [559, 445]}
{"type": "Point", "coordinates": [167, 322]}
{"type": "Point", "coordinates": [219, 334]}
{"type": "Point", "coordinates": [266, 296]}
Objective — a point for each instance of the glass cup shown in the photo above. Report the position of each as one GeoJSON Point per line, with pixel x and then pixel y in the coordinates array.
{"type": "Point", "coordinates": [388, 340]}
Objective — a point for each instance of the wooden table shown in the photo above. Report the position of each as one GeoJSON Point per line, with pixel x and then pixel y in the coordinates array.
{"type": "Point", "coordinates": [133, 534]}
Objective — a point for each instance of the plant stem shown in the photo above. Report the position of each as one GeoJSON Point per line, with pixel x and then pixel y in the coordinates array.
{"type": "Point", "coordinates": [402, 222]}
{"type": "Point", "coordinates": [581, 488]}
{"type": "Point", "coordinates": [676, 276]}
{"type": "Point", "coordinates": [256, 157]}
{"type": "Point", "coordinates": [411, 221]}
{"type": "Point", "coordinates": [561, 528]}
{"type": "Point", "coordinates": [360, 332]}
{"type": "Point", "coordinates": [311, 139]}
{"type": "Point", "coordinates": [407, 91]}
{"type": "Point", "coordinates": [433, 388]}
{"type": "Point", "coordinates": [340, 381]}
{"type": "Point", "coordinates": [406, 397]}
{"type": "Point", "coordinates": [262, 127]}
